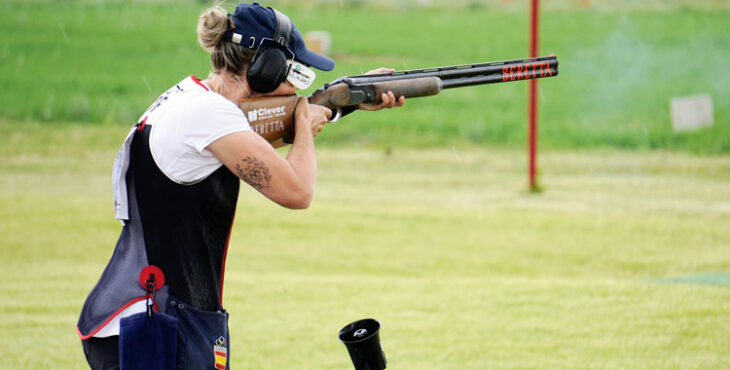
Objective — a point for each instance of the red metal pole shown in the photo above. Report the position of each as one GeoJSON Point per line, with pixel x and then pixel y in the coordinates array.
{"type": "Point", "coordinates": [533, 99]}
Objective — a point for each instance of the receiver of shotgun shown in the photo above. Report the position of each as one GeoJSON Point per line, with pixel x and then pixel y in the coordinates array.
{"type": "Point", "coordinates": [273, 116]}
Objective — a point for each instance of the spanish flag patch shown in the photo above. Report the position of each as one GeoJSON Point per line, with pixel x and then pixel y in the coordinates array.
{"type": "Point", "coordinates": [221, 353]}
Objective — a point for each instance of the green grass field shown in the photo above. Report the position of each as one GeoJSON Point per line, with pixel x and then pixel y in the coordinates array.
{"type": "Point", "coordinates": [463, 268]}
{"type": "Point", "coordinates": [421, 218]}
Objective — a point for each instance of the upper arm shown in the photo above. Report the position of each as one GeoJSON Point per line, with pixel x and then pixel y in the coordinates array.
{"type": "Point", "coordinates": [254, 160]}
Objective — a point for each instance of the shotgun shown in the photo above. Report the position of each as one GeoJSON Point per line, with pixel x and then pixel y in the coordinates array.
{"type": "Point", "coordinates": [272, 117]}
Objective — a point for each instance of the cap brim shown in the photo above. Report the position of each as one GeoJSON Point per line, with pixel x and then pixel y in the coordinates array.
{"type": "Point", "coordinates": [315, 60]}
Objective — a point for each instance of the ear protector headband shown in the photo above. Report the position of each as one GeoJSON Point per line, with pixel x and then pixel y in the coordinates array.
{"type": "Point", "coordinates": [269, 65]}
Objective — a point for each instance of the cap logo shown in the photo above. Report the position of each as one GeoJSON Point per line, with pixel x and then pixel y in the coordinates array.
{"type": "Point", "coordinates": [300, 75]}
{"type": "Point", "coordinates": [236, 37]}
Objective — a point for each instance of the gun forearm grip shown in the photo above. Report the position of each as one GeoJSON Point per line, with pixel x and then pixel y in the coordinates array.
{"type": "Point", "coordinates": [345, 94]}
{"type": "Point", "coordinates": [410, 88]}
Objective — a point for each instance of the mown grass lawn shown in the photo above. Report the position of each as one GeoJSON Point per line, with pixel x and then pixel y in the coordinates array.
{"type": "Point", "coordinates": [462, 266]}
{"type": "Point", "coordinates": [623, 261]}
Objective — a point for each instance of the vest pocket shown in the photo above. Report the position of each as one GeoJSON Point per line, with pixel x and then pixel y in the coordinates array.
{"type": "Point", "coordinates": [148, 342]}
{"type": "Point", "coordinates": [203, 338]}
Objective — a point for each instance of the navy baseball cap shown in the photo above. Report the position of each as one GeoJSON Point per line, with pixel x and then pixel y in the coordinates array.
{"type": "Point", "coordinates": [254, 23]}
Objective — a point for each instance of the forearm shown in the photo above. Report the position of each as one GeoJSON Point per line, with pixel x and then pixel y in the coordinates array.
{"type": "Point", "coordinates": [302, 157]}
{"type": "Point", "coordinates": [287, 181]}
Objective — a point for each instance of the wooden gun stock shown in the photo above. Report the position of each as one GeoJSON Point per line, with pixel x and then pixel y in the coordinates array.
{"type": "Point", "coordinates": [272, 117]}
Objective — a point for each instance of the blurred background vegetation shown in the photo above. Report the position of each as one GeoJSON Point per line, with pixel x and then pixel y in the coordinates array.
{"type": "Point", "coordinates": [103, 62]}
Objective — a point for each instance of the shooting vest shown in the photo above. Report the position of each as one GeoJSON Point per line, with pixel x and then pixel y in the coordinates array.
{"type": "Point", "coordinates": [182, 229]}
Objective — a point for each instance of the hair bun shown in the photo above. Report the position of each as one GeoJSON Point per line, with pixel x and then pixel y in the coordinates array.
{"type": "Point", "coordinates": [213, 23]}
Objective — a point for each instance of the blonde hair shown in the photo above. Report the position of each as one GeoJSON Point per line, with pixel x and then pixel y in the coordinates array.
{"type": "Point", "coordinates": [225, 56]}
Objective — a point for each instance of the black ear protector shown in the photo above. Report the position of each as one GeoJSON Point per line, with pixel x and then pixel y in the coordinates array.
{"type": "Point", "coordinates": [269, 66]}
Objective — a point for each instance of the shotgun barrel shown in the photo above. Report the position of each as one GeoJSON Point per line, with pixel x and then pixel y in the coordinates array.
{"type": "Point", "coordinates": [353, 90]}
{"type": "Point", "coordinates": [518, 69]}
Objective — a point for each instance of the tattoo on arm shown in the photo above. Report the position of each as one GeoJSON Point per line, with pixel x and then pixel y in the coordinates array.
{"type": "Point", "coordinates": [254, 172]}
